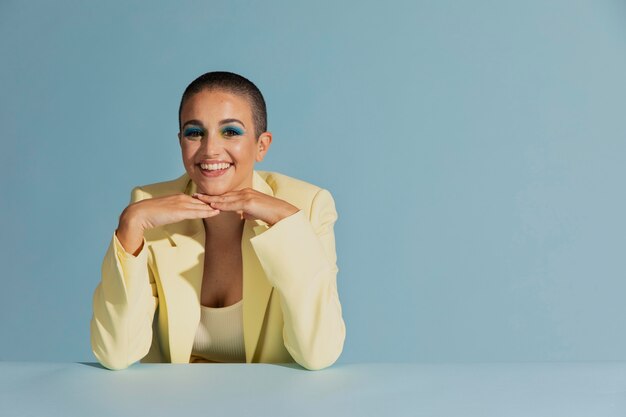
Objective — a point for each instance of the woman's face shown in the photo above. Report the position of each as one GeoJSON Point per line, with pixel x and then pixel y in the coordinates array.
{"type": "Point", "coordinates": [217, 141]}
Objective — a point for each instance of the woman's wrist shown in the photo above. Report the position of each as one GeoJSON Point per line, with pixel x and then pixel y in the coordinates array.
{"type": "Point", "coordinates": [130, 232]}
{"type": "Point", "coordinates": [286, 212]}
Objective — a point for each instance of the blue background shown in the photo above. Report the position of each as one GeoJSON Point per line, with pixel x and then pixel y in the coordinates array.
{"type": "Point", "coordinates": [475, 151]}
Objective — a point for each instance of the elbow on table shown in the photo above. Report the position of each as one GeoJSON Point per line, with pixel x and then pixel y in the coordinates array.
{"type": "Point", "coordinates": [112, 366]}
{"type": "Point", "coordinates": [110, 362]}
{"type": "Point", "coordinates": [111, 350]}
{"type": "Point", "coordinates": [316, 362]}
{"type": "Point", "coordinates": [102, 351]}
{"type": "Point", "coordinates": [112, 359]}
{"type": "Point", "coordinates": [319, 363]}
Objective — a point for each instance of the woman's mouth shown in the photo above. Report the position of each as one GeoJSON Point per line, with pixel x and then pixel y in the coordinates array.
{"type": "Point", "coordinates": [214, 170]}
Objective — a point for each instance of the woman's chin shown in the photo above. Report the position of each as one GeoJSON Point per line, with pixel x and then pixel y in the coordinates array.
{"type": "Point", "coordinates": [212, 185]}
{"type": "Point", "coordinates": [213, 189]}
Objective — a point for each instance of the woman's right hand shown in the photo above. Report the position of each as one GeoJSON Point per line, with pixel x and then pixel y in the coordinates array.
{"type": "Point", "coordinates": [153, 212]}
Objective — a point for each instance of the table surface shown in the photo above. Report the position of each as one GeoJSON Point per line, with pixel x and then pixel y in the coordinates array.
{"type": "Point", "coordinates": [589, 389]}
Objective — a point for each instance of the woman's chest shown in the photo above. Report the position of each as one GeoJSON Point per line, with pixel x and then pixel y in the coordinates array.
{"type": "Point", "coordinates": [222, 276]}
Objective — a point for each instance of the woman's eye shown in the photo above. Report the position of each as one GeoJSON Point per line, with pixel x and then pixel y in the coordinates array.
{"type": "Point", "coordinates": [232, 131]}
{"type": "Point", "coordinates": [193, 133]}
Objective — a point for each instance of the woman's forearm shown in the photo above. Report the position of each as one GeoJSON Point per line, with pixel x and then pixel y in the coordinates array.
{"type": "Point", "coordinates": [130, 233]}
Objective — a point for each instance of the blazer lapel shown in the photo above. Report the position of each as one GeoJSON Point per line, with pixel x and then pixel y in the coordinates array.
{"type": "Point", "coordinates": [180, 264]}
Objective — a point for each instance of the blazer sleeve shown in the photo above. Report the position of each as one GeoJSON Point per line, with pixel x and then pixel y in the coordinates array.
{"type": "Point", "coordinates": [124, 303]}
{"type": "Point", "coordinates": [299, 258]}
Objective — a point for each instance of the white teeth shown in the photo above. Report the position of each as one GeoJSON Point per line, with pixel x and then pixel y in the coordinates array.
{"type": "Point", "coordinates": [213, 167]}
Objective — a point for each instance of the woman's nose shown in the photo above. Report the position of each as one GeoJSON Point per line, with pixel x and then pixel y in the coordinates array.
{"type": "Point", "coordinates": [210, 144]}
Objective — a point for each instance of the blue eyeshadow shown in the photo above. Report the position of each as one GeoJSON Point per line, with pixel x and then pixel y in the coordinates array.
{"type": "Point", "coordinates": [235, 129]}
{"type": "Point", "coordinates": [191, 130]}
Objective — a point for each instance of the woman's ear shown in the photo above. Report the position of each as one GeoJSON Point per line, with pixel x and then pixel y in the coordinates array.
{"type": "Point", "coordinates": [263, 144]}
{"type": "Point", "coordinates": [179, 139]}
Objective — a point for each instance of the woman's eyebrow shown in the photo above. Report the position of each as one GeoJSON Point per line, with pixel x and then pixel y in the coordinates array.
{"type": "Point", "coordinates": [193, 122]}
{"type": "Point", "coordinates": [223, 122]}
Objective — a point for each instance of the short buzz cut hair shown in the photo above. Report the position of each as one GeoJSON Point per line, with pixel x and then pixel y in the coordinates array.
{"type": "Point", "coordinates": [232, 83]}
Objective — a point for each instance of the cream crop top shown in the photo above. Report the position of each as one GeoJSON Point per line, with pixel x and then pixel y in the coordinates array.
{"type": "Point", "coordinates": [219, 337]}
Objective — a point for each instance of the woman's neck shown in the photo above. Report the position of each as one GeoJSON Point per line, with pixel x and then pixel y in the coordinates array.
{"type": "Point", "coordinates": [226, 226]}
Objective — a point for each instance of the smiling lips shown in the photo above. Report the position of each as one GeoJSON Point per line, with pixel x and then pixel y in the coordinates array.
{"type": "Point", "coordinates": [214, 169]}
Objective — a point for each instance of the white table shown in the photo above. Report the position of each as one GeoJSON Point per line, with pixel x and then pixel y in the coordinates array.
{"type": "Point", "coordinates": [586, 389]}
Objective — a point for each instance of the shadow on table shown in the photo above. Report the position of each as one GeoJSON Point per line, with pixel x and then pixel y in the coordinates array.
{"type": "Point", "coordinates": [92, 364]}
{"type": "Point", "coordinates": [284, 365]}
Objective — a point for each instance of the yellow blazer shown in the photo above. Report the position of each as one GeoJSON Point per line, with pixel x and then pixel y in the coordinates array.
{"type": "Point", "coordinates": [147, 307]}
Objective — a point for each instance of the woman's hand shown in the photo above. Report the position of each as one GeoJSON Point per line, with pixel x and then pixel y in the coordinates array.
{"type": "Point", "coordinates": [153, 212]}
{"type": "Point", "coordinates": [251, 204]}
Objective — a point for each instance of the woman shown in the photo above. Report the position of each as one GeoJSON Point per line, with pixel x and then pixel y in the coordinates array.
{"type": "Point", "coordinates": [225, 263]}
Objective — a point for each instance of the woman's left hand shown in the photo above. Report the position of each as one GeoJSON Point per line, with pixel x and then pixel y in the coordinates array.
{"type": "Point", "coordinates": [251, 204]}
